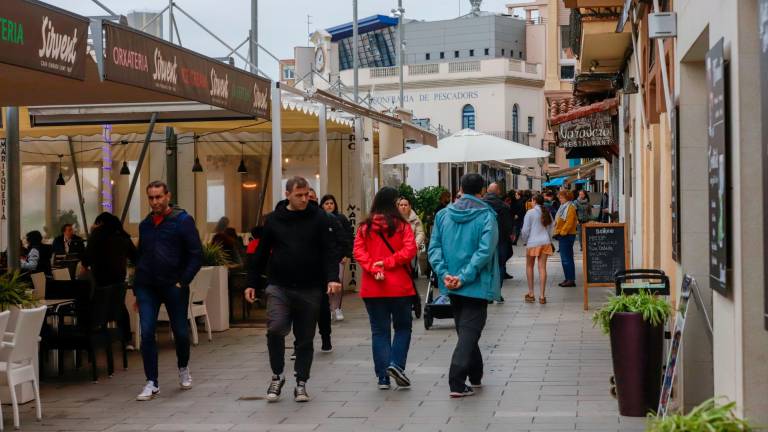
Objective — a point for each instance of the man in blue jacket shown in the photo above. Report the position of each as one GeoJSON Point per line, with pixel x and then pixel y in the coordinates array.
{"type": "Point", "coordinates": [463, 253]}
{"type": "Point", "coordinates": [169, 257]}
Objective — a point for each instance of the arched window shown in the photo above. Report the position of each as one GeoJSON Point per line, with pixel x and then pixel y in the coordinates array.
{"type": "Point", "coordinates": [515, 122]}
{"type": "Point", "coordinates": [468, 117]}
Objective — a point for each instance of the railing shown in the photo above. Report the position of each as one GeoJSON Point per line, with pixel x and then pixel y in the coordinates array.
{"type": "Point", "coordinates": [384, 72]}
{"type": "Point", "coordinates": [515, 65]}
{"type": "Point", "coordinates": [535, 21]}
{"type": "Point", "coordinates": [518, 137]}
{"type": "Point", "coordinates": [424, 69]}
{"type": "Point", "coordinates": [468, 66]}
{"type": "Point", "coordinates": [531, 68]}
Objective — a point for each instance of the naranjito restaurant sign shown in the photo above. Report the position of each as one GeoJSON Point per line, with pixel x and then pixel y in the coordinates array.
{"type": "Point", "coordinates": [42, 37]}
{"type": "Point", "coordinates": [589, 131]}
{"type": "Point", "coordinates": [141, 60]}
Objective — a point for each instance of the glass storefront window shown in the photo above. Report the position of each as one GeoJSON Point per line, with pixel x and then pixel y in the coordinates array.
{"type": "Point", "coordinates": [69, 207]}
{"type": "Point", "coordinates": [134, 209]}
{"type": "Point", "coordinates": [32, 198]}
{"type": "Point", "coordinates": [217, 205]}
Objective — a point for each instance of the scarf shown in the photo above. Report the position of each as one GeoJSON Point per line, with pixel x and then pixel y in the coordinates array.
{"type": "Point", "coordinates": [562, 212]}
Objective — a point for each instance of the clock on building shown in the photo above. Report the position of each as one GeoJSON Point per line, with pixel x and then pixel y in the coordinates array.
{"type": "Point", "coordinates": [319, 59]}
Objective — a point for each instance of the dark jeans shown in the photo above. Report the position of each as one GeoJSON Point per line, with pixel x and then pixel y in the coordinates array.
{"type": "Point", "coordinates": [470, 315]}
{"type": "Point", "coordinates": [297, 307]}
{"type": "Point", "coordinates": [176, 301]}
{"type": "Point", "coordinates": [385, 313]}
{"type": "Point", "coordinates": [324, 319]}
{"type": "Point", "coordinates": [504, 251]}
{"type": "Point", "coordinates": [566, 256]}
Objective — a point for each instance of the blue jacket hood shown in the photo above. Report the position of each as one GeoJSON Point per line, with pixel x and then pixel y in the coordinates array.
{"type": "Point", "coordinates": [467, 209]}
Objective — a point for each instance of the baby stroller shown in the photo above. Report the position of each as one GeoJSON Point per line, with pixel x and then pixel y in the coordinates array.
{"type": "Point", "coordinates": [435, 306]}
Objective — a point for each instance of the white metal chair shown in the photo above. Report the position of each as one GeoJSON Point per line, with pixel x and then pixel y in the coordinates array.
{"type": "Point", "coordinates": [17, 358]}
{"type": "Point", "coordinates": [198, 291]}
{"type": "Point", "coordinates": [38, 284]}
{"type": "Point", "coordinates": [61, 274]}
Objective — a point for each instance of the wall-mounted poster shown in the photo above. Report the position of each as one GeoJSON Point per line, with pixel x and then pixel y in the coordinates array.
{"type": "Point", "coordinates": [719, 260]}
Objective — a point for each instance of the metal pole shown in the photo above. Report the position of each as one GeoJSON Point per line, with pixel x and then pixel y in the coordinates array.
{"type": "Point", "coordinates": [109, 11]}
{"type": "Point", "coordinates": [77, 183]}
{"type": "Point", "coordinates": [401, 46]}
{"type": "Point", "coordinates": [247, 40]}
{"type": "Point", "coordinates": [171, 158]}
{"type": "Point", "coordinates": [170, 21]}
{"type": "Point", "coordinates": [662, 57]}
{"type": "Point", "coordinates": [254, 35]}
{"type": "Point", "coordinates": [154, 18]}
{"type": "Point", "coordinates": [140, 162]}
{"type": "Point", "coordinates": [323, 135]}
{"type": "Point", "coordinates": [13, 186]}
{"type": "Point", "coordinates": [263, 196]}
{"type": "Point", "coordinates": [355, 56]}
{"type": "Point", "coordinates": [277, 144]}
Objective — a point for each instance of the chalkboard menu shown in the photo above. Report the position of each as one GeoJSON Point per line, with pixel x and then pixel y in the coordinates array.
{"type": "Point", "coordinates": [718, 169]}
{"type": "Point", "coordinates": [605, 253]}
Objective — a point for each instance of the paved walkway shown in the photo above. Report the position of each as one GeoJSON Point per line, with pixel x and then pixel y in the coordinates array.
{"type": "Point", "coordinates": [547, 369]}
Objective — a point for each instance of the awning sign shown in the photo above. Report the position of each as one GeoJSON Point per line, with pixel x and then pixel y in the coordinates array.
{"type": "Point", "coordinates": [590, 131]}
{"type": "Point", "coordinates": [138, 59]}
{"type": "Point", "coordinates": [40, 37]}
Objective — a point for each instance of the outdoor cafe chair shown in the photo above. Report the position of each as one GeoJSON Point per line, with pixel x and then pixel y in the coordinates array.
{"type": "Point", "coordinates": [198, 291]}
{"type": "Point", "coordinates": [17, 358]}
{"type": "Point", "coordinates": [61, 274]}
{"type": "Point", "coordinates": [38, 284]}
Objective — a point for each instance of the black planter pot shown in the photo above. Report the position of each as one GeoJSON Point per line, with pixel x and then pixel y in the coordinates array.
{"type": "Point", "coordinates": [637, 349]}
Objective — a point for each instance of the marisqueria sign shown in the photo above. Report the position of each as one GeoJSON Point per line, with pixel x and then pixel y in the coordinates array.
{"type": "Point", "coordinates": [138, 59]}
{"type": "Point", "coordinates": [593, 130]}
{"type": "Point", "coordinates": [41, 37]}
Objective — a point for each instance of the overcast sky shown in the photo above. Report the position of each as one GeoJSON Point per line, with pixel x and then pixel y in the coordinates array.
{"type": "Point", "coordinates": [282, 23]}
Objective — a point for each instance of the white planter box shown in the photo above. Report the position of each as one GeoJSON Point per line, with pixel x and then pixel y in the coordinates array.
{"type": "Point", "coordinates": [217, 300]}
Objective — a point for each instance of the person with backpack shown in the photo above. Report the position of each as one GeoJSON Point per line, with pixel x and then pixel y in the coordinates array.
{"type": "Point", "coordinates": [384, 248]}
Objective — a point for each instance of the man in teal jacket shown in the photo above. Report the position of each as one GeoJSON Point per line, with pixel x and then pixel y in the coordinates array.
{"type": "Point", "coordinates": [463, 254]}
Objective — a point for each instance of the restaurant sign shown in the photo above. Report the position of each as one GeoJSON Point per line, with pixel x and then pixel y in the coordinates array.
{"type": "Point", "coordinates": [138, 59]}
{"type": "Point", "coordinates": [589, 131]}
{"type": "Point", "coordinates": [41, 37]}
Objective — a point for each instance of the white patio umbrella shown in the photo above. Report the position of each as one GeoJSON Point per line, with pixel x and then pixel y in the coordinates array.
{"type": "Point", "coordinates": [468, 145]}
{"type": "Point", "coordinates": [423, 154]}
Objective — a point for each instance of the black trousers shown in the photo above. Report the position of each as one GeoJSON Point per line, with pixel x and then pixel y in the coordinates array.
{"type": "Point", "coordinates": [470, 315]}
{"type": "Point", "coordinates": [324, 319]}
{"type": "Point", "coordinates": [297, 308]}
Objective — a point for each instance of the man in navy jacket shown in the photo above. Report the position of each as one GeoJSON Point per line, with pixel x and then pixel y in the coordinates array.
{"type": "Point", "coordinates": [169, 257]}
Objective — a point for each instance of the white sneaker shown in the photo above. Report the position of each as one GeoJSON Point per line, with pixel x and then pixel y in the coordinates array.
{"type": "Point", "coordinates": [339, 315]}
{"type": "Point", "coordinates": [149, 392]}
{"type": "Point", "coordinates": [185, 379]}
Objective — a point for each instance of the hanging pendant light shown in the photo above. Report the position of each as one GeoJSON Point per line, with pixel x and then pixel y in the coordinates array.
{"type": "Point", "coordinates": [60, 181]}
{"type": "Point", "coordinates": [125, 170]}
{"type": "Point", "coordinates": [242, 169]}
{"type": "Point", "coordinates": [196, 167]}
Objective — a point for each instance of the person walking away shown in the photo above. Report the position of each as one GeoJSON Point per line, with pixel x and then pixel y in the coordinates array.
{"type": "Point", "coordinates": [518, 211]}
{"type": "Point", "coordinates": [169, 257]}
{"type": "Point", "coordinates": [407, 212]}
{"type": "Point", "coordinates": [344, 240]}
{"type": "Point", "coordinates": [445, 199]}
{"type": "Point", "coordinates": [384, 248]}
{"type": "Point", "coordinates": [537, 238]}
{"type": "Point", "coordinates": [605, 205]}
{"type": "Point", "coordinates": [106, 256]}
{"type": "Point", "coordinates": [565, 233]}
{"type": "Point", "coordinates": [504, 220]}
{"type": "Point", "coordinates": [582, 213]}
{"type": "Point", "coordinates": [462, 251]}
{"type": "Point", "coordinates": [38, 255]}
{"type": "Point", "coordinates": [68, 243]}
{"type": "Point", "coordinates": [298, 252]}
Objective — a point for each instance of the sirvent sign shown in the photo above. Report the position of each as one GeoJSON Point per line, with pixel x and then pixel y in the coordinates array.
{"type": "Point", "coordinates": [40, 37]}
{"type": "Point", "coordinates": [138, 59]}
{"type": "Point", "coordinates": [589, 131]}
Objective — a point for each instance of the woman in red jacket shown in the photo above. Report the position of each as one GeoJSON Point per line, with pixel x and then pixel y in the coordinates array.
{"type": "Point", "coordinates": [384, 248]}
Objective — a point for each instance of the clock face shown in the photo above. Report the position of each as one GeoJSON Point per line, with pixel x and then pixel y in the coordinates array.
{"type": "Point", "coordinates": [319, 59]}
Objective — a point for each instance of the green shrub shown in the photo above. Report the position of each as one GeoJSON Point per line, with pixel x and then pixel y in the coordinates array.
{"type": "Point", "coordinates": [14, 291]}
{"type": "Point", "coordinates": [653, 308]}
{"type": "Point", "coordinates": [707, 417]}
{"type": "Point", "coordinates": [214, 255]}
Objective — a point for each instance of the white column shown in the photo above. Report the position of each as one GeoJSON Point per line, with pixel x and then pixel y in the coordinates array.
{"type": "Point", "coordinates": [323, 138]}
{"type": "Point", "coordinates": [277, 144]}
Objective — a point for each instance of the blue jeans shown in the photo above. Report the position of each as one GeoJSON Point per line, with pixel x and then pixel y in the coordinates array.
{"type": "Point", "coordinates": [566, 256]}
{"type": "Point", "coordinates": [385, 313]}
{"type": "Point", "coordinates": [176, 301]}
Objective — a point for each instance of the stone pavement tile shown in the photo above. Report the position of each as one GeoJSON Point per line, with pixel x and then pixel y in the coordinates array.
{"type": "Point", "coordinates": [127, 428]}
{"type": "Point", "coordinates": [446, 427]}
{"type": "Point", "coordinates": [265, 427]}
{"type": "Point", "coordinates": [191, 427]}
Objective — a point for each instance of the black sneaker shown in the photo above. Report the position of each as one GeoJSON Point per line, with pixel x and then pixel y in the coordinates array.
{"type": "Point", "coordinates": [384, 383]}
{"type": "Point", "coordinates": [399, 376]}
{"type": "Point", "coordinates": [501, 300]}
{"type": "Point", "coordinates": [326, 347]}
{"type": "Point", "coordinates": [275, 387]}
{"type": "Point", "coordinates": [463, 393]}
{"type": "Point", "coordinates": [300, 392]}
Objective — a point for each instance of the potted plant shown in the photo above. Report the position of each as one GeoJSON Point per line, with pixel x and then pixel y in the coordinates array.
{"type": "Point", "coordinates": [217, 300]}
{"type": "Point", "coordinates": [709, 416]}
{"type": "Point", "coordinates": [15, 292]}
{"type": "Point", "coordinates": [635, 324]}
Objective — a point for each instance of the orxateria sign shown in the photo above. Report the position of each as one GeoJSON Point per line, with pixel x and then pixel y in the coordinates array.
{"type": "Point", "coordinates": [37, 36]}
{"type": "Point", "coordinates": [136, 58]}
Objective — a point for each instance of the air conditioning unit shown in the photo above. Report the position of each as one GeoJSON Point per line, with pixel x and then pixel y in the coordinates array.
{"type": "Point", "coordinates": [662, 25]}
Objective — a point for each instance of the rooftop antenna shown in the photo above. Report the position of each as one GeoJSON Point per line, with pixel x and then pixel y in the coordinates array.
{"type": "Point", "coordinates": [309, 24]}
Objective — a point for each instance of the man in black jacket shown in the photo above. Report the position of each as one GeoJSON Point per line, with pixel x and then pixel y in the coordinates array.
{"type": "Point", "coordinates": [298, 250]}
{"type": "Point", "coordinates": [68, 243]}
{"type": "Point", "coordinates": [170, 255]}
{"type": "Point", "coordinates": [506, 227]}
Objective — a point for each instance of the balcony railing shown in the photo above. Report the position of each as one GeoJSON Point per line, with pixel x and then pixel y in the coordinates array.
{"type": "Point", "coordinates": [424, 69]}
{"type": "Point", "coordinates": [518, 137]}
{"type": "Point", "coordinates": [468, 66]}
{"type": "Point", "coordinates": [384, 72]}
